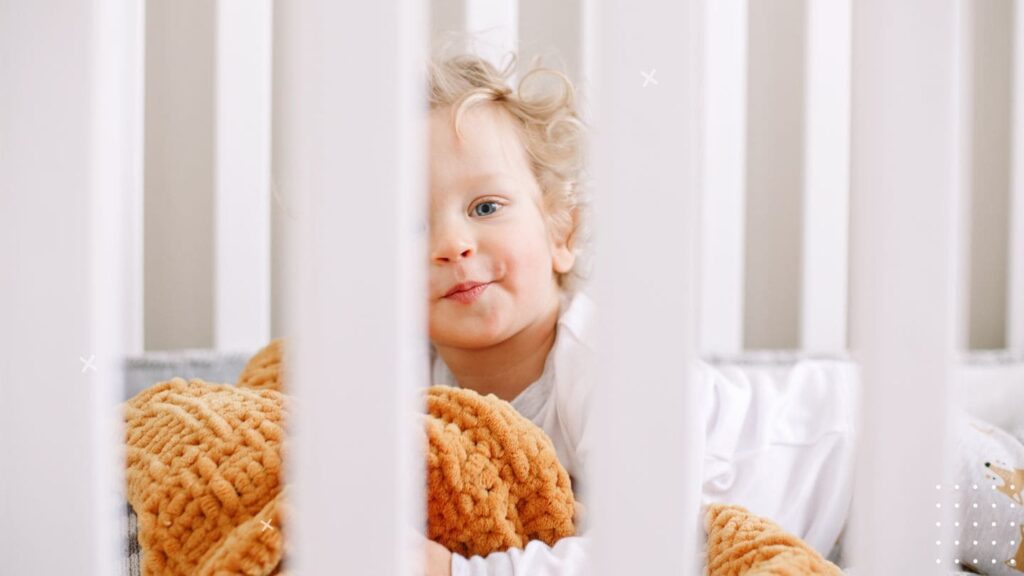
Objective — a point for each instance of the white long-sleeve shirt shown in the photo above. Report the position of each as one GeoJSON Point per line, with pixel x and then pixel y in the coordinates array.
{"type": "Point", "coordinates": [779, 441]}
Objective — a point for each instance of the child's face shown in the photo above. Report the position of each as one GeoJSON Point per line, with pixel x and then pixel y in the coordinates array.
{"type": "Point", "coordinates": [487, 225]}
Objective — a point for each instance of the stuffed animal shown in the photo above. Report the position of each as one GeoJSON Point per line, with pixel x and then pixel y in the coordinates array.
{"type": "Point", "coordinates": [204, 465]}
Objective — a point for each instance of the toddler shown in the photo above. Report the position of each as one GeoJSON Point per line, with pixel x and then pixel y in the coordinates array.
{"type": "Point", "coordinates": [508, 316]}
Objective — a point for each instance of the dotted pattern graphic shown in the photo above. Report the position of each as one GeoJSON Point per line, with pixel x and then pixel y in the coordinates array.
{"type": "Point", "coordinates": [970, 504]}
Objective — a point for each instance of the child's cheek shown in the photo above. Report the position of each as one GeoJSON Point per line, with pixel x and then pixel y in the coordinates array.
{"type": "Point", "coordinates": [527, 269]}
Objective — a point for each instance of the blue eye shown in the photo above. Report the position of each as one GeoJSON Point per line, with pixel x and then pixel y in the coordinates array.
{"type": "Point", "coordinates": [494, 207]}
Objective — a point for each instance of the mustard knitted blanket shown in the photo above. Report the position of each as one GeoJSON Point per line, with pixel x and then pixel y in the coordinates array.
{"type": "Point", "coordinates": [204, 465]}
{"type": "Point", "coordinates": [204, 476]}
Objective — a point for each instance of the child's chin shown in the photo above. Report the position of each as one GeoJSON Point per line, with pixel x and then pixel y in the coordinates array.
{"type": "Point", "coordinates": [467, 338]}
{"type": "Point", "coordinates": [473, 342]}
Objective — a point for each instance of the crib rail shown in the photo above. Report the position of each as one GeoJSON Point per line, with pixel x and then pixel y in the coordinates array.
{"type": "Point", "coordinates": [270, 221]}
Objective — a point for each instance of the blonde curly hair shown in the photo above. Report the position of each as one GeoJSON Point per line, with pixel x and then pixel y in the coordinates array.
{"type": "Point", "coordinates": [552, 133]}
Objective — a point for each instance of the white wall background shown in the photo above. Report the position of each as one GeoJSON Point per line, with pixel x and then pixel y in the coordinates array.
{"type": "Point", "coordinates": [179, 169]}
{"type": "Point", "coordinates": [991, 69]}
{"type": "Point", "coordinates": [775, 133]}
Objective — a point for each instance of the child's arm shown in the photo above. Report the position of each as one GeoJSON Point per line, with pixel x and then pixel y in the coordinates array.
{"type": "Point", "coordinates": [566, 558]}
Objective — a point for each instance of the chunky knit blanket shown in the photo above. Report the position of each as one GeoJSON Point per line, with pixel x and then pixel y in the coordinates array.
{"type": "Point", "coordinates": [743, 544]}
{"type": "Point", "coordinates": [204, 467]}
{"type": "Point", "coordinates": [204, 476]}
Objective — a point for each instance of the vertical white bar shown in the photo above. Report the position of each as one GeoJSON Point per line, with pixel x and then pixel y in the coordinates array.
{"type": "Point", "coordinates": [1015, 303]}
{"type": "Point", "coordinates": [904, 202]}
{"type": "Point", "coordinates": [588, 58]}
{"type": "Point", "coordinates": [117, 194]}
{"type": "Point", "coordinates": [351, 97]}
{"type": "Point", "coordinates": [723, 186]}
{"type": "Point", "coordinates": [494, 25]}
{"type": "Point", "coordinates": [67, 185]}
{"type": "Point", "coordinates": [965, 111]}
{"type": "Point", "coordinates": [645, 163]}
{"type": "Point", "coordinates": [826, 177]}
{"type": "Point", "coordinates": [134, 305]}
{"type": "Point", "coordinates": [242, 175]}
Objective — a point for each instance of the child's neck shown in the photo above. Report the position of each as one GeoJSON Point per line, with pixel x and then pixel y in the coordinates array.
{"type": "Point", "coordinates": [508, 368]}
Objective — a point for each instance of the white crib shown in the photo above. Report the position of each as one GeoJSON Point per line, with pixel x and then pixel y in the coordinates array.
{"type": "Point", "coordinates": [852, 233]}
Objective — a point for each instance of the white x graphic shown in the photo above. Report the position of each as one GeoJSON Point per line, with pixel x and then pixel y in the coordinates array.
{"type": "Point", "coordinates": [266, 524]}
{"type": "Point", "coordinates": [649, 77]}
{"type": "Point", "coordinates": [88, 363]}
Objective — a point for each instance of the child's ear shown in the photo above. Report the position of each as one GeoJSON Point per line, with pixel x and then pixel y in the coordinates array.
{"type": "Point", "coordinates": [562, 256]}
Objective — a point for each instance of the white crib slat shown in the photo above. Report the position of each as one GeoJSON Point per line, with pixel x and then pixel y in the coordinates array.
{"type": "Point", "coordinates": [904, 206]}
{"type": "Point", "coordinates": [723, 196]}
{"type": "Point", "coordinates": [135, 112]}
{"type": "Point", "coordinates": [349, 142]}
{"type": "Point", "coordinates": [1015, 299]}
{"type": "Point", "coordinates": [242, 175]}
{"type": "Point", "coordinates": [965, 185]}
{"type": "Point", "coordinates": [68, 188]}
{"type": "Point", "coordinates": [826, 177]}
{"type": "Point", "coordinates": [647, 421]}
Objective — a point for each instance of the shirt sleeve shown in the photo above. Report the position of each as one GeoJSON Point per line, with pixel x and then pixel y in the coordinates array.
{"type": "Point", "coordinates": [566, 558]}
{"type": "Point", "coordinates": [780, 442]}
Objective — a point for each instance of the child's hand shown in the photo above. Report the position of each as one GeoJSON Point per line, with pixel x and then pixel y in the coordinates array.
{"type": "Point", "coordinates": [579, 514]}
{"type": "Point", "coordinates": [437, 560]}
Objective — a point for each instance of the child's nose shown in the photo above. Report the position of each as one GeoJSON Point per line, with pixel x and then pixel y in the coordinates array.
{"type": "Point", "coordinates": [452, 254]}
{"type": "Point", "coordinates": [452, 248]}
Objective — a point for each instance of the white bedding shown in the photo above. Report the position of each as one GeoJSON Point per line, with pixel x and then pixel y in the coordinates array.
{"type": "Point", "coordinates": [989, 386]}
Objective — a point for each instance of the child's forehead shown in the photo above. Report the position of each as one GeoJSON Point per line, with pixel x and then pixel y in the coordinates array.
{"type": "Point", "coordinates": [487, 148]}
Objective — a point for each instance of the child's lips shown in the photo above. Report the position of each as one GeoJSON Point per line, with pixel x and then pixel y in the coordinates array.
{"type": "Point", "coordinates": [468, 296]}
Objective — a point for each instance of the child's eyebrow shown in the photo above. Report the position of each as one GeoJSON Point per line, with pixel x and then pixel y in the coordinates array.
{"type": "Point", "coordinates": [488, 178]}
